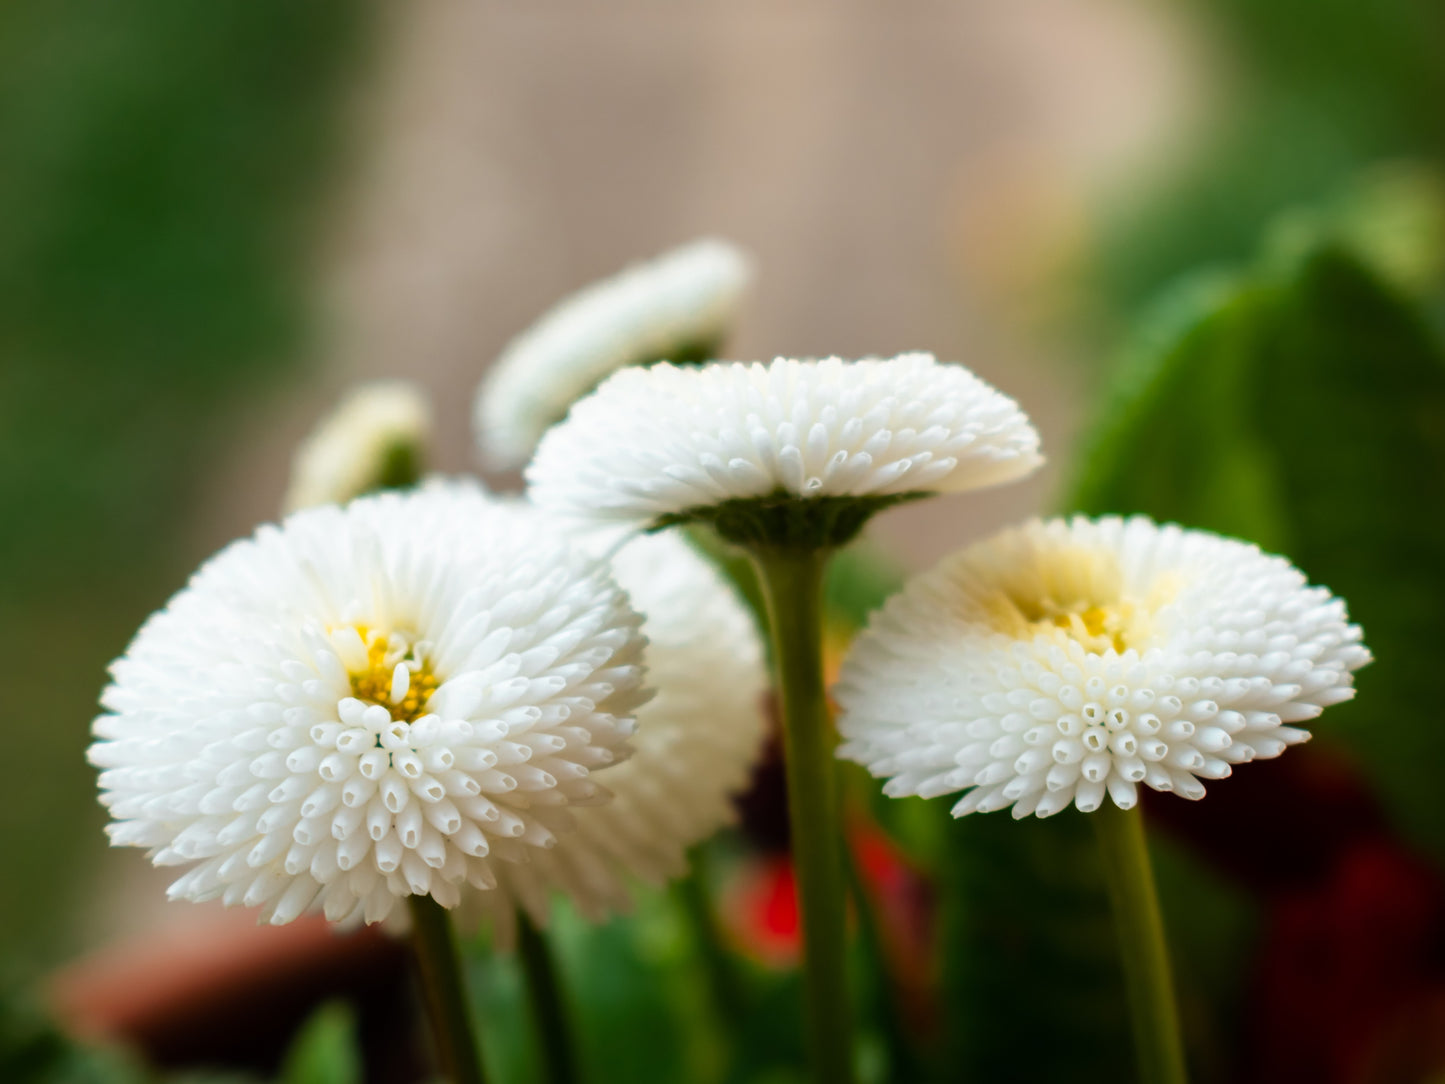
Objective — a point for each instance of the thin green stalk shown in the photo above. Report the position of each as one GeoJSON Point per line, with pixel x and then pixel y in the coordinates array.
{"type": "Point", "coordinates": [549, 1015]}
{"type": "Point", "coordinates": [724, 983]}
{"type": "Point", "coordinates": [792, 583]}
{"type": "Point", "coordinates": [1152, 1009]}
{"type": "Point", "coordinates": [445, 994]}
{"type": "Point", "coordinates": [903, 1060]}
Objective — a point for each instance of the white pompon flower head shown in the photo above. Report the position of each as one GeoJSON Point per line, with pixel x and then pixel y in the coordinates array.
{"type": "Point", "coordinates": [758, 449]}
{"type": "Point", "coordinates": [1067, 661]}
{"type": "Point", "coordinates": [677, 307]}
{"type": "Point", "coordinates": [374, 439]}
{"type": "Point", "coordinates": [369, 702]}
{"type": "Point", "coordinates": [696, 744]}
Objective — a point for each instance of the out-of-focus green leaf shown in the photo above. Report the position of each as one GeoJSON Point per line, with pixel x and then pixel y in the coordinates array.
{"type": "Point", "coordinates": [1304, 409]}
{"type": "Point", "coordinates": [1028, 951]}
{"type": "Point", "coordinates": [33, 1051]}
{"type": "Point", "coordinates": [1308, 111]}
{"type": "Point", "coordinates": [633, 991]}
{"type": "Point", "coordinates": [325, 1051]}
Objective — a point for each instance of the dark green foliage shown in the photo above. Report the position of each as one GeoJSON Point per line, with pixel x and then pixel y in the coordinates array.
{"type": "Point", "coordinates": [1028, 952]}
{"type": "Point", "coordinates": [34, 1051]}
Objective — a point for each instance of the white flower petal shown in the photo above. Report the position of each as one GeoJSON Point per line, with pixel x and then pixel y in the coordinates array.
{"type": "Point", "coordinates": [1066, 661]}
{"type": "Point", "coordinates": [229, 741]}
{"type": "Point", "coordinates": [653, 441]}
{"type": "Point", "coordinates": [694, 749]}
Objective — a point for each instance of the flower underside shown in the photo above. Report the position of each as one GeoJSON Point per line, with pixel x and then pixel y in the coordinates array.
{"type": "Point", "coordinates": [786, 519]}
{"type": "Point", "coordinates": [390, 670]}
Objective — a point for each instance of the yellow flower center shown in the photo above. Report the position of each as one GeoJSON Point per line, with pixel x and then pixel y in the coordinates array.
{"type": "Point", "coordinates": [387, 669]}
{"type": "Point", "coordinates": [1075, 592]}
{"type": "Point", "coordinates": [1097, 628]}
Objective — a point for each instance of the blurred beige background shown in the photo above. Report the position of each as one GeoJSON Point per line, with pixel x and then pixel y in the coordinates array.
{"type": "Point", "coordinates": [905, 175]}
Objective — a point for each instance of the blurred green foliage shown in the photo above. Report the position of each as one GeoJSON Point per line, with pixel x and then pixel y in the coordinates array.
{"type": "Point", "coordinates": [160, 162]}
{"type": "Point", "coordinates": [325, 1051]}
{"type": "Point", "coordinates": [33, 1051]}
{"type": "Point", "coordinates": [1318, 91]}
{"type": "Point", "coordinates": [640, 1010]}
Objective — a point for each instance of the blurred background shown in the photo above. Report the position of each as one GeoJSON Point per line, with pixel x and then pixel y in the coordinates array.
{"type": "Point", "coordinates": [219, 216]}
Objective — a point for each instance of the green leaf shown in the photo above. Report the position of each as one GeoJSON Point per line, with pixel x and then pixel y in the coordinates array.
{"type": "Point", "coordinates": [1028, 951]}
{"type": "Point", "coordinates": [1303, 408]}
{"type": "Point", "coordinates": [325, 1051]}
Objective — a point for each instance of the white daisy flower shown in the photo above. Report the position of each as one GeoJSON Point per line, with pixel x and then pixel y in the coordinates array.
{"type": "Point", "coordinates": [373, 439]}
{"type": "Point", "coordinates": [366, 703]}
{"type": "Point", "coordinates": [677, 307]}
{"type": "Point", "coordinates": [694, 750]}
{"type": "Point", "coordinates": [1062, 661]}
{"type": "Point", "coordinates": [665, 444]}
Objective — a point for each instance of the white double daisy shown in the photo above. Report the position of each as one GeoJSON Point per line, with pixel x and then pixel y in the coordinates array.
{"type": "Point", "coordinates": [665, 443]}
{"type": "Point", "coordinates": [1064, 661]}
{"type": "Point", "coordinates": [369, 702]}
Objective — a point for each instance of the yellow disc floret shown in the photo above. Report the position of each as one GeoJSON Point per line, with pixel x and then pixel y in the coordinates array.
{"type": "Point", "coordinates": [1074, 592]}
{"type": "Point", "coordinates": [390, 669]}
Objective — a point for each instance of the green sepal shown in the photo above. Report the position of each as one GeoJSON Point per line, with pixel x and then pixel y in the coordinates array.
{"type": "Point", "coordinates": [786, 520]}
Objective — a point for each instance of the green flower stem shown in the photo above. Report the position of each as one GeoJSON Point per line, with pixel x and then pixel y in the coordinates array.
{"type": "Point", "coordinates": [1152, 1009]}
{"type": "Point", "coordinates": [724, 983]}
{"type": "Point", "coordinates": [883, 1002]}
{"type": "Point", "coordinates": [446, 998]}
{"type": "Point", "coordinates": [549, 1015]}
{"type": "Point", "coordinates": [792, 583]}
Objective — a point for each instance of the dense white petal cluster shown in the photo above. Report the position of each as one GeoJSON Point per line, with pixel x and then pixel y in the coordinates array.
{"type": "Point", "coordinates": [1062, 661]}
{"type": "Point", "coordinates": [694, 750]}
{"type": "Point", "coordinates": [369, 702]}
{"type": "Point", "coordinates": [676, 307]}
{"type": "Point", "coordinates": [666, 440]}
{"type": "Point", "coordinates": [350, 451]}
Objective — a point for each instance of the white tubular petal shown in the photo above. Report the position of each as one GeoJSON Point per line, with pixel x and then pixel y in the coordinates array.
{"type": "Point", "coordinates": [1133, 653]}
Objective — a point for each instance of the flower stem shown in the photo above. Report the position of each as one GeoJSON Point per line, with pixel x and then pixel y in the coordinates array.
{"type": "Point", "coordinates": [881, 991]}
{"type": "Point", "coordinates": [792, 583]}
{"type": "Point", "coordinates": [549, 1016]}
{"type": "Point", "coordinates": [446, 998]}
{"type": "Point", "coordinates": [1152, 1009]}
{"type": "Point", "coordinates": [724, 983]}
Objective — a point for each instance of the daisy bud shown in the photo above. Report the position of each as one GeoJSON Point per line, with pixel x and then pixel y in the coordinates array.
{"type": "Point", "coordinates": [678, 307]}
{"type": "Point", "coordinates": [374, 439]}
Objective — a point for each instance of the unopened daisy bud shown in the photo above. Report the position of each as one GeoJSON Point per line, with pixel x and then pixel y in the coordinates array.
{"type": "Point", "coordinates": [1074, 661]}
{"type": "Point", "coordinates": [800, 452]}
{"type": "Point", "coordinates": [677, 307]}
{"type": "Point", "coordinates": [369, 702]}
{"type": "Point", "coordinates": [696, 742]}
{"type": "Point", "coordinates": [374, 439]}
